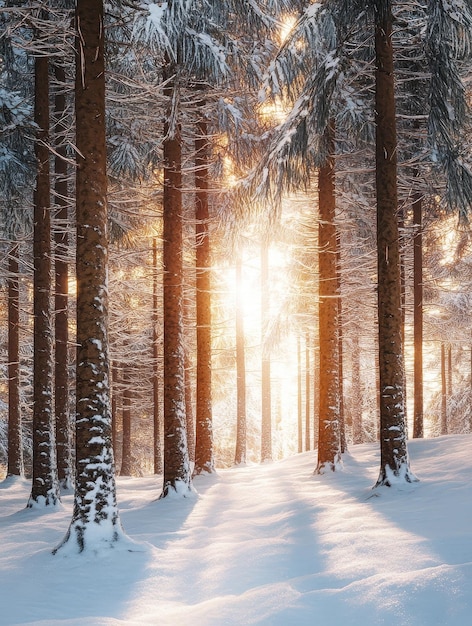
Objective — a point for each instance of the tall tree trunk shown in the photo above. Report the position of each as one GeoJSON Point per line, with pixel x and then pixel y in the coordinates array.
{"type": "Point", "coordinates": [342, 421]}
{"type": "Point", "coordinates": [126, 454]}
{"type": "Point", "coordinates": [204, 461]}
{"type": "Point", "coordinates": [356, 391]}
{"type": "Point", "coordinates": [266, 400]}
{"type": "Point", "coordinates": [15, 443]}
{"type": "Point", "coordinates": [418, 317]}
{"type": "Point", "coordinates": [241, 420]}
{"type": "Point", "coordinates": [45, 486]}
{"type": "Point", "coordinates": [299, 395]}
{"type": "Point", "coordinates": [307, 393]}
{"type": "Point", "coordinates": [444, 428]}
{"type": "Point", "coordinates": [95, 519]}
{"type": "Point", "coordinates": [61, 370]}
{"type": "Point", "coordinates": [329, 443]}
{"type": "Point", "coordinates": [394, 463]}
{"type": "Point", "coordinates": [189, 419]}
{"type": "Point", "coordinates": [157, 445]}
{"type": "Point", "coordinates": [177, 474]}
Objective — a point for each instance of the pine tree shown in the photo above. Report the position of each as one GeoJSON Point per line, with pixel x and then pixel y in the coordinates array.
{"type": "Point", "coordinates": [95, 520]}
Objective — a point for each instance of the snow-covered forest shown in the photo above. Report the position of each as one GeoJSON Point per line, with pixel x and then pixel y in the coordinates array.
{"type": "Point", "coordinates": [231, 234]}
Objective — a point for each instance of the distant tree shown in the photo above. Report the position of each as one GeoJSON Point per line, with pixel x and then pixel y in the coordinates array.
{"type": "Point", "coordinates": [266, 399]}
{"type": "Point", "coordinates": [241, 415]}
{"type": "Point", "coordinates": [95, 519]}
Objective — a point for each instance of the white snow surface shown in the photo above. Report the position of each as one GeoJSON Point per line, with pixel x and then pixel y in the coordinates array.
{"type": "Point", "coordinates": [268, 544]}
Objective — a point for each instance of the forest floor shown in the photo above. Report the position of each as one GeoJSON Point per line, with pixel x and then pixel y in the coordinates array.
{"type": "Point", "coordinates": [268, 544]}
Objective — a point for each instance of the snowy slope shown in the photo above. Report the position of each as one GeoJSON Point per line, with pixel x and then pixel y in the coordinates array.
{"type": "Point", "coordinates": [270, 544]}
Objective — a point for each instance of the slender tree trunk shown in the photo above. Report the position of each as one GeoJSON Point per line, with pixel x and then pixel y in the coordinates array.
{"type": "Point", "coordinates": [189, 419]}
{"type": "Point", "coordinates": [307, 393]}
{"type": "Point", "coordinates": [15, 443]}
{"type": "Point", "coordinates": [394, 462]}
{"type": "Point", "coordinates": [299, 395]}
{"type": "Point", "coordinates": [45, 486]}
{"type": "Point", "coordinates": [329, 443]}
{"type": "Point", "coordinates": [177, 474]}
{"type": "Point", "coordinates": [449, 370]}
{"type": "Point", "coordinates": [114, 405]}
{"type": "Point", "coordinates": [61, 389]}
{"type": "Point", "coordinates": [204, 461]}
{"type": "Point", "coordinates": [444, 428]}
{"type": "Point", "coordinates": [356, 391]}
{"type": "Point", "coordinates": [126, 454]}
{"type": "Point", "coordinates": [342, 421]}
{"type": "Point", "coordinates": [418, 317]}
{"type": "Point", "coordinates": [241, 420]}
{"type": "Point", "coordinates": [157, 444]}
{"type": "Point", "coordinates": [266, 399]}
{"type": "Point", "coordinates": [95, 519]}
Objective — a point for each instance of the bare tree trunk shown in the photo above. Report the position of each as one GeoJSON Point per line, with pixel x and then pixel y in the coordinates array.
{"type": "Point", "coordinates": [394, 462]}
{"type": "Point", "coordinates": [418, 317]}
{"type": "Point", "coordinates": [204, 461]}
{"type": "Point", "coordinates": [61, 390]}
{"type": "Point", "coordinates": [444, 428]}
{"type": "Point", "coordinates": [177, 474]}
{"type": "Point", "coordinates": [266, 399]}
{"type": "Point", "coordinates": [45, 486]}
{"type": "Point", "coordinates": [356, 391]}
{"type": "Point", "coordinates": [15, 443]}
{"type": "Point", "coordinates": [299, 395]}
{"type": "Point", "coordinates": [126, 454]}
{"type": "Point", "coordinates": [307, 393]}
{"type": "Point", "coordinates": [157, 445]}
{"type": "Point", "coordinates": [241, 420]}
{"type": "Point", "coordinates": [329, 443]}
{"type": "Point", "coordinates": [95, 518]}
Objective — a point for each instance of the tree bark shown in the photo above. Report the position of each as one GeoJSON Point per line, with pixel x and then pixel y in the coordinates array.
{"type": "Point", "coordinates": [45, 486]}
{"type": "Point", "coordinates": [157, 444]}
{"type": "Point", "coordinates": [177, 475]}
{"type": "Point", "coordinates": [15, 442]}
{"type": "Point", "coordinates": [394, 463]}
{"type": "Point", "coordinates": [418, 317]}
{"type": "Point", "coordinates": [241, 420]}
{"type": "Point", "coordinates": [95, 519]}
{"type": "Point", "coordinates": [329, 443]}
{"type": "Point", "coordinates": [204, 461]}
{"type": "Point", "coordinates": [61, 370]}
{"type": "Point", "coordinates": [266, 400]}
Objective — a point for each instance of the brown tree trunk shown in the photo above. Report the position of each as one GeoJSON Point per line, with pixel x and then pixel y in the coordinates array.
{"type": "Point", "coordinates": [307, 393]}
{"type": "Point", "coordinates": [157, 444]}
{"type": "Point", "coordinates": [204, 461]}
{"type": "Point", "coordinates": [15, 443]}
{"type": "Point", "coordinates": [329, 443]}
{"type": "Point", "coordinates": [356, 391]}
{"type": "Point", "coordinates": [266, 399]}
{"type": "Point", "coordinates": [189, 419]}
{"type": "Point", "coordinates": [444, 428]}
{"type": "Point", "coordinates": [126, 454]}
{"type": "Point", "coordinates": [241, 421]}
{"type": "Point", "coordinates": [299, 395]}
{"type": "Point", "coordinates": [45, 486]}
{"type": "Point", "coordinates": [342, 421]}
{"type": "Point", "coordinates": [177, 475]}
{"type": "Point", "coordinates": [61, 389]}
{"type": "Point", "coordinates": [418, 317]}
{"type": "Point", "coordinates": [95, 518]}
{"type": "Point", "coordinates": [394, 463]}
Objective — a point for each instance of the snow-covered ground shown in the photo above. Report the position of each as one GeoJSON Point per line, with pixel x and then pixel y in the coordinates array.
{"type": "Point", "coordinates": [270, 544]}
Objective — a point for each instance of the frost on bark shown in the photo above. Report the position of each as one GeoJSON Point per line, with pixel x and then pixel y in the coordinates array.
{"type": "Point", "coordinates": [204, 461]}
{"type": "Point", "coordinates": [394, 463]}
{"type": "Point", "coordinates": [329, 442]}
{"type": "Point", "coordinates": [45, 486]}
{"type": "Point", "coordinates": [177, 474]}
{"type": "Point", "coordinates": [95, 520]}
